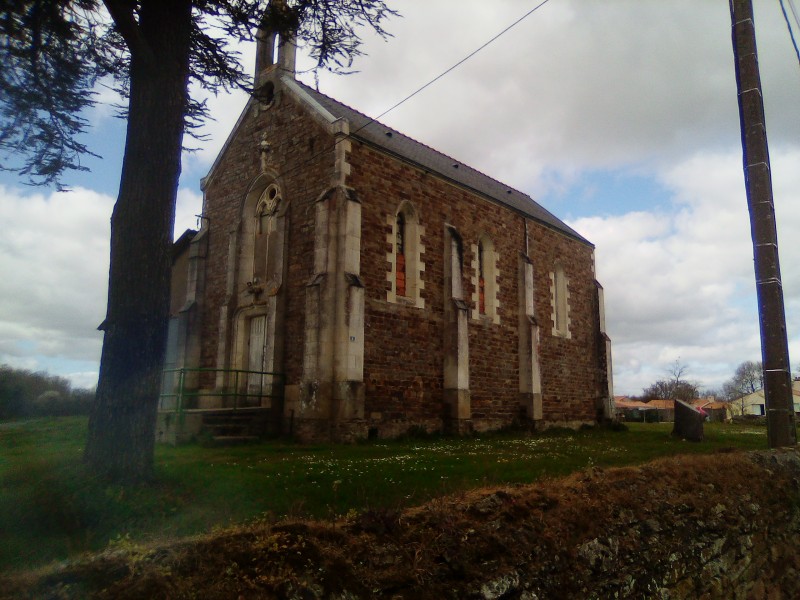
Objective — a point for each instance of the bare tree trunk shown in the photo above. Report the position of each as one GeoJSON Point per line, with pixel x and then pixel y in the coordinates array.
{"type": "Point", "coordinates": [122, 424]}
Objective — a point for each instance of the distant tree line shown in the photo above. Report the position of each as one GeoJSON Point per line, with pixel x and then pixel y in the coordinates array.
{"type": "Point", "coordinates": [747, 378]}
{"type": "Point", "coordinates": [25, 393]}
{"type": "Point", "coordinates": [674, 386]}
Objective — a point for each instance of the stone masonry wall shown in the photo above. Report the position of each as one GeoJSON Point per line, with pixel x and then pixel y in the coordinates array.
{"type": "Point", "coordinates": [403, 343]}
{"type": "Point", "coordinates": [295, 138]}
{"type": "Point", "coordinates": [571, 369]}
{"type": "Point", "coordinates": [403, 352]}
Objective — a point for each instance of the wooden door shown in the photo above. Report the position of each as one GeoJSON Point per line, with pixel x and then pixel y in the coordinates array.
{"type": "Point", "coordinates": [255, 359]}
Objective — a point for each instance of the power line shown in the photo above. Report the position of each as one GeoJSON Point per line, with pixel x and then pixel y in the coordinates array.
{"type": "Point", "coordinates": [417, 91]}
{"type": "Point", "coordinates": [794, 12]}
{"type": "Point", "coordinates": [789, 26]}
{"type": "Point", "coordinates": [462, 61]}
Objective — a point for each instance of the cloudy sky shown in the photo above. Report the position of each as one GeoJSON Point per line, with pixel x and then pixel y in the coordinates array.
{"type": "Point", "coordinates": [618, 116]}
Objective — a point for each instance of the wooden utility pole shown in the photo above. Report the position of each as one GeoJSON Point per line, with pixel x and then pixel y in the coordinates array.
{"type": "Point", "coordinates": [758, 181]}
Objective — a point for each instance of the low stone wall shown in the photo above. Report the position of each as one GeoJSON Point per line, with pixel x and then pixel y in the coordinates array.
{"type": "Point", "coordinates": [723, 526]}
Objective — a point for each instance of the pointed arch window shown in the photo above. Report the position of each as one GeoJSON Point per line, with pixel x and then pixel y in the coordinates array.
{"type": "Point", "coordinates": [405, 258]}
{"type": "Point", "coordinates": [254, 321]}
{"type": "Point", "coordinates": [559, 290]}
{"type": "Point", "coordinates": [267, 50]}
{"type": "Point", "coordinates": [400, 261]}
{"type": "Point", "coordinates": [266, 208]}
{"type": "Point", "coordinates": [485, 296]}
{"type": "Point", "coordinates": [481, 280]}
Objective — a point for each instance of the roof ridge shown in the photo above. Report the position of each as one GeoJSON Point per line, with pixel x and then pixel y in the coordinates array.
{"type": "Point", "coordinates": [429, 158]}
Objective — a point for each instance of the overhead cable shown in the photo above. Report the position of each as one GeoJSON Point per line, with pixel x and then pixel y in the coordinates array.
{"type": "Point", "coordinates": [462, 61]}
{"type": "Point", "coordinates": [428, 84]}
{"type": "Point", "coordinates": [794, 12]}
{"type": "Point", "coordinates": [789, 26]}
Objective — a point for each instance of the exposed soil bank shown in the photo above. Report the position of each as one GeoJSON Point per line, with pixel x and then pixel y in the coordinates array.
{"type": "Point", "coordinates": [720, 526]}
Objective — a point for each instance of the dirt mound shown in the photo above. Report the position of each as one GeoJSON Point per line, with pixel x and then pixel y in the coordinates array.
{"type": "Point", "coordinates": [719, 526]}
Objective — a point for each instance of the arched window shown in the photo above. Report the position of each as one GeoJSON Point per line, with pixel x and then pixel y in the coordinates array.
{"type": "Point", "coordinates": [405, 259]}
{"type": "Point", "coordinates": [266, 207]}
{"type": "Point", "coordinates": [485, 297]}
{"type": "Point", "coordinates": [276, 44]}
{"type": "Point", "coordinates": [400, 259]}
{"type": "Point", "coordinates": [267, 48]}
{"type": "Point", "coordinates": [481, 280]}
{"type": "Point", "coordinates": [560, 301]}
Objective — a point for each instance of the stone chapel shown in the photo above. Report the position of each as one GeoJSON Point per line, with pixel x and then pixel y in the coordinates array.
{"type": "Point", "coordinates": [349, 282]}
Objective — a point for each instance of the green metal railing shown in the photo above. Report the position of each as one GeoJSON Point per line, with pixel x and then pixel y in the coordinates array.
{"type": "Point", "coordinates": [242, 389]}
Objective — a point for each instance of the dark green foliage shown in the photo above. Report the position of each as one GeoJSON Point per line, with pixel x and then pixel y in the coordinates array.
{"type": "Point", "coordinates": [55, 53]}
{"type": "Point", "coordinates": [25, 393]}
{"type": "Point", "coordinates": [50, 66]}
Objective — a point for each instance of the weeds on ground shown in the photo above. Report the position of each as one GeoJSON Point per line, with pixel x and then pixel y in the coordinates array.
{"type": "Point", "coordinates": [52, 508]}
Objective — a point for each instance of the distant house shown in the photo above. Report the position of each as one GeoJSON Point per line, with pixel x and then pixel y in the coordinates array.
{"type": "Point", "coordinates": [634, 410]}
{"type": "Point", "coordinates": [664, 410]}
{"type": "Point", "coordinates": [755, 405]}
{"type": "Point", "coordinates": [749, 404]}
{"type": "Point", "coordinates": [715, 411]}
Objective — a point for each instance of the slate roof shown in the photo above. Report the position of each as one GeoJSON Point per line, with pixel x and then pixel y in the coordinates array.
{"type": "Point", "coordinates": [372, 132]}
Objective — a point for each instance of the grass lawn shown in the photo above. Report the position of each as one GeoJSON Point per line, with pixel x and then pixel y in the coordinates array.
{"type": "Point", "coordinates": [51, 508]}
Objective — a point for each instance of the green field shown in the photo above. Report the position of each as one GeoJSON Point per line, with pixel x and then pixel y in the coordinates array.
{"type": "Point", "coordinates": [51, 508]}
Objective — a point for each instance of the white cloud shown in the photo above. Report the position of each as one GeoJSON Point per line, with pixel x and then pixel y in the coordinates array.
{"type": "Point", "coordinates": [189, 204]}
{"type": "Point", "coordinates": [576, 85]}
{"type": "Point", "coordinates": [54, 251]}
{"type": "Point", "coordinates": [82, 379]}
{"type": "Point", "coordinates": [622, 86]}
{"type": "Point", "coordinates": [54, 267]}
{"type": "Point", "coordinates": [680, 284]}
{"type": "Point", "coordinates": [108, 102]}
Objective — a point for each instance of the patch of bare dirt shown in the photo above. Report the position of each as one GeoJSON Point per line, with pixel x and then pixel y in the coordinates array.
{"type": "Point", "coordinates": [717, 526]}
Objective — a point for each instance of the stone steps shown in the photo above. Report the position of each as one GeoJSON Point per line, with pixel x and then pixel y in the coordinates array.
{"type": "Point", "coordinates": [234, 427]}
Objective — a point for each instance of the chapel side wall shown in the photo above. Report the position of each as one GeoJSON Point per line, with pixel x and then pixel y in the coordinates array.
{"type": "Point", "coordinates": [402, 343]}
{"type": "Point", "coordinates": [403, 354]}
{"type": "Point", "coordinates": [493, 346]}
{"type": "Point", "coordinates": [571, 370]}
{"type": "Point", "coordinates": [294, 137]}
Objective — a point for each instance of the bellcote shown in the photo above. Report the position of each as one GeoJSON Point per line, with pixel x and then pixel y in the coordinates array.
{"type": "Point", "coordinates": [273, 51]}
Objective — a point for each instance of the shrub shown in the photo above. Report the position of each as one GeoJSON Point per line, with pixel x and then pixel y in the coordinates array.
{"type": "Point", "coordinates": [25, 393]}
